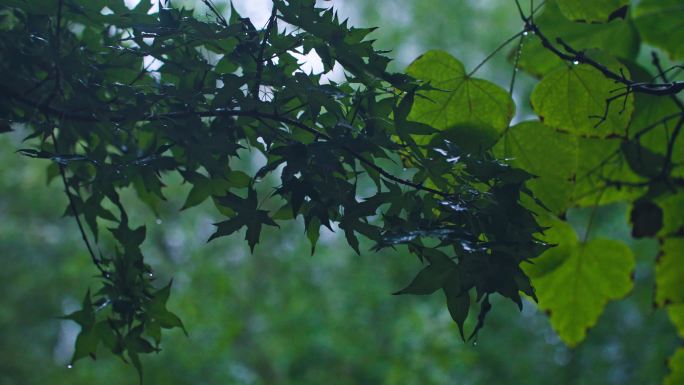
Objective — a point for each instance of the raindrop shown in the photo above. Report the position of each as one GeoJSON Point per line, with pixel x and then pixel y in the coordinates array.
{"type": "Point", "coordinates": [525, 33]}
{"type": "Point", "coordinates": [151, 275]}
{"type": "Point", "coordinates": [475, 343]}
{"type": "Point", "coordinates": [159, 221]}
{"type": "Point", "coordinates": [69, 366]}
{"type": "Point", "coordinates": [442, 152]}
{"type": "Point", "coordinates": [575, 62]}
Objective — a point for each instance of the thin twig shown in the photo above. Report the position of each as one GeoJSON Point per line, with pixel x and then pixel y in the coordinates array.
{"type": "Point", "coordinates": [651, 126]}
{"type": "Point", "coordinates": [663, 76]}
{"type": "Point", "coordinates": [74, 211]}
{"type": "Point", "coordinates": [592, 216]}
{"type": "Point", "coordinates": [62, 171]}
{"type": "Point", "coordinates": [499, 48]}
{"type": "Point", "coordinates": [670, 146]}
{"type": "Point", "coordinates": [606, 110]}
{"type": "Point", "coordinates": [212, 8]}
{"type": "Point", "coordinates": [262, 48]}
{"type": "Point", "coordinates": [518, 51]}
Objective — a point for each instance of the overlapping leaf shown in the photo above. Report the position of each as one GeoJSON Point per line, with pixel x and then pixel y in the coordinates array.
{"type": "Point", "coordinates": [571, 170]}
{"type": "Point", "coordinates": [466, 105]}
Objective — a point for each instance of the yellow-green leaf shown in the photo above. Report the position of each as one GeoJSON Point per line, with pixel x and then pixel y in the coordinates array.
{"type": "Point", "coordinates": [670, 272]}
{"type": "Point", "coordinates": [563, 237]}
{"type": "Point", "coordinates": [676, 365]}
{"type": "Point", "coordinates": [573, 98]}
{"type": "Point", "coordinates": [586, 276]}
{"type": "Point", "coordinates": [676, 313]}
{"type": "Point", "coordinates": [673, 214]}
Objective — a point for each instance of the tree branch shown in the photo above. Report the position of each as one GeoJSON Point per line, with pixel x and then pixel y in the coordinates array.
{"type": "Point", "coordinates": [62, 171]}
{"type": "Point", "coordinates": [663, 76]}
{"type": "Point", "coordinates": [212, 8]}
{"type": "Point", "coordinates": [64, 115]}
{"type": "Point", "coordinates": [574, 56]}
{"type": "Point", "coordinates": [262, 48]}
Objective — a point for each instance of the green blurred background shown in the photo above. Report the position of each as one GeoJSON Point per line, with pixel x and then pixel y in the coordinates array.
{"type": "Point", "coordinates": [282, 316]}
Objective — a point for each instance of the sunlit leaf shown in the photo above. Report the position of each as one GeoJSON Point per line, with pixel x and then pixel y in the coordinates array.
{"type": "Point", "coordinates": [574, 98]}
{"type": "Point", "coordinates": [579, 281]}
{"type": "Point", "coordinates": [670, 272]}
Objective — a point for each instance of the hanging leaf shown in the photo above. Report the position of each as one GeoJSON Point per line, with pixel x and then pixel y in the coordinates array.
{"type": "Point", "coordinates": [158, 312]}
{"type": "Point", "coordinates": [458, 303]}
{"type": "Point", "coordinates": [579, 281]}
